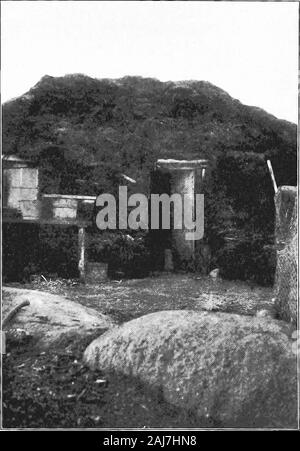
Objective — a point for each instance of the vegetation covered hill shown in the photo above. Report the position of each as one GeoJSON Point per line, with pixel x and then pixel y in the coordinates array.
{"type": "Point", "coordinates": [125, 124]}
{"type": "Point", "coordinates": [85, 132]}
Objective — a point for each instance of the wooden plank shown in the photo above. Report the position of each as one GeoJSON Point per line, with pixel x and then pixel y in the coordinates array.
{"type": "Point", "coordinates": [81, 251]}
{"type": "Point", "coordinates": [55, 222]}
{"type": "Point", "coordinates": [272, 176]}
{"type": "Point", "coordinates": [171, 164]}
{"type": "Point", "coordinates": [69, 196]}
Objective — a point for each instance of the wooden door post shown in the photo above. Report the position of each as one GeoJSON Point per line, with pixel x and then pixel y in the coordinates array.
{"type": "Point", "coordinates": [81, 252]}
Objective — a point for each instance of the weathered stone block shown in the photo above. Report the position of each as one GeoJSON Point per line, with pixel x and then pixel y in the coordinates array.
{"type": "Point", "coordinates": [286, 279]}
{"type": "Point", "coordinates": [237, 371]}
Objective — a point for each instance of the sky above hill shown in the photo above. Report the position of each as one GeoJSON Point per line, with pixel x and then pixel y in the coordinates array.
{"type": "Point", "coordinates": [248, 49]}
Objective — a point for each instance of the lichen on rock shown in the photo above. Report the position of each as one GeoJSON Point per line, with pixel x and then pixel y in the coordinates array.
{"type": "Point", "coordinates": [236, 370]}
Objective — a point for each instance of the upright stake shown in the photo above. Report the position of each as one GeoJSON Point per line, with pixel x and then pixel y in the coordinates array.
{"type": "Point", "coordinates": [272, 176]}
{"type": "Point", "coordinates": [81, 249]}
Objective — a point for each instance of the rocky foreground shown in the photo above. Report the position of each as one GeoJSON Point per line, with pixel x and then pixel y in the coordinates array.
{"type": "Point", "coordinates": [48, 317]}
{"type": "Point", "coordinates": [237, 371]}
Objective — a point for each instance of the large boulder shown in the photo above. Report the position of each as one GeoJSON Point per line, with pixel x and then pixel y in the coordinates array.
{"type": "Point", "coordinates": [228, 369]}
{"type": "Point", "coordinates": [286, 280]}
{"type": "Point", "coordinates": [48, 317]}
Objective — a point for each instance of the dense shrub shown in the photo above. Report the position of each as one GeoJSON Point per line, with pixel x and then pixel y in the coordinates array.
{"type": "Point", "coordinates": [29, 249]}
{"type": "Point", "coordinates": [240, 217]}
{"type": "Point", "coordinates": [20, 256]}
{"type": "Point", "coordinates": [129, 257]}
{"type": "Point", "coordinates": [58, 250]}
{"type": "Point", "coordinates": [85, 133]}
{"type": "Point", "coordinates": [252, 261]}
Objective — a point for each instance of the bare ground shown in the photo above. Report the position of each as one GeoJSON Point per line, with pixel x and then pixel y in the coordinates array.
{"type": "Point", "coordinates": [128, 299]}
{"type": "Point", "coordinates": [53, 389]}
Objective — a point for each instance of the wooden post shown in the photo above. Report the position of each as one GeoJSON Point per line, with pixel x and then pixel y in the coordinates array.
{"type": "Point", "coordinates": [272, 176]}
{"type": "Point", "coordinates": [81, 252]}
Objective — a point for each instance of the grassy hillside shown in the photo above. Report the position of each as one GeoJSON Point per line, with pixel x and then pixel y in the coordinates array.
{"type": "Point", "coordinates": [85, 132]}
{"type": "Point", "coordinates": [125, 124]}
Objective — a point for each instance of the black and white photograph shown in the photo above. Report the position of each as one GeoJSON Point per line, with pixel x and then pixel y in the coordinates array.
{"type": "Point", "coordinates": [149, 218]}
